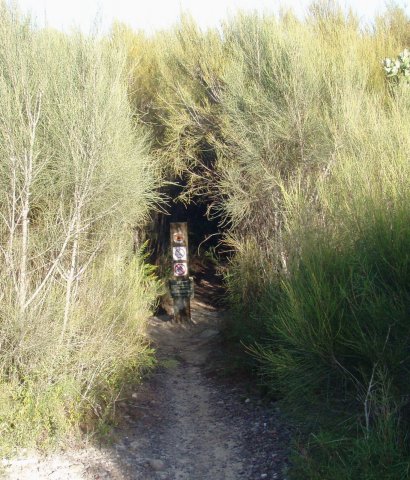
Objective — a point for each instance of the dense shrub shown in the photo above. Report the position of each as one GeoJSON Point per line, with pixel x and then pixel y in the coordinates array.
{"type": "Point", "coordinates": [75, 177]}
{"type": "Point", "coordinates": [330, 214]}
{"type": "Point", "coordinates": [295, 136]}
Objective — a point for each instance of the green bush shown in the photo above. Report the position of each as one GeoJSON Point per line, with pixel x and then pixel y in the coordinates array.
{"type": "Point", "coordinates": [299, 143]}
{"type": "Point", "coordinates": [75, 178]}
{"type": "Point", "coordinates": [291, 133]}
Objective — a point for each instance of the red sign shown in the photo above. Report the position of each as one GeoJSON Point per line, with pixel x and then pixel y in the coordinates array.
{"type": "Point", "coordinates": [180, 269]}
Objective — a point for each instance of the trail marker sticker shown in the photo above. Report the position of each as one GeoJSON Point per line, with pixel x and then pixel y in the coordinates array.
{"type": "Point", "coordinates": [180, 269]}
{"type": "Point", "coordinates": [179, 253]}
{"type": "Point", "coordinates": [179, 237]}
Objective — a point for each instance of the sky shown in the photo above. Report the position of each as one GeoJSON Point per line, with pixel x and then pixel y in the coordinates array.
{"type": "Point", "coordinates": [153, 15]}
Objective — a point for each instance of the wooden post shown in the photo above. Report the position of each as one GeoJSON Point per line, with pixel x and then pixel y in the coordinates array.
{"type": "Point", "coordinates": [180, 284]}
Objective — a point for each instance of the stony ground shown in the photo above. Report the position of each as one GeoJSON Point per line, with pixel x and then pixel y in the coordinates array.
{"type": "Point", "coordinates": [187, 422]}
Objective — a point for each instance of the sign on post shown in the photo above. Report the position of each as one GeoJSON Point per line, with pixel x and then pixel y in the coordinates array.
{"type": "Point", "coordinates": [179, 254]}
{"type": "Point", "coordinates": [181, 286]}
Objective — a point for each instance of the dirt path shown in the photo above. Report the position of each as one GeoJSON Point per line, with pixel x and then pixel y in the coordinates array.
{"type": "Point", "coordinates": [184, 423]}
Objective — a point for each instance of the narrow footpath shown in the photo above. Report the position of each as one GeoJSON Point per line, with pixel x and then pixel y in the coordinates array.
{"type": "Point", "coordinates": [188, 421]}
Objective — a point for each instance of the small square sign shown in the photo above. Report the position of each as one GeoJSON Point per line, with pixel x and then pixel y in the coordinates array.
{"type": "Point", "coordinates": [180, 269]}
{"type": "Point", "coordinates": [179, 254]}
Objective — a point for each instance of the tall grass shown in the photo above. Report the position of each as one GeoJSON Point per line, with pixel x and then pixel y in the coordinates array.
{"type": "Point", "coordinates": [75, 177]}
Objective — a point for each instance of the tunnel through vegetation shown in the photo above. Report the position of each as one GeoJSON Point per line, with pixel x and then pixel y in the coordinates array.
{"type": "Point", "coordinates": [205, 233]}
{"type": "Point", "coordinates": [207, 256]}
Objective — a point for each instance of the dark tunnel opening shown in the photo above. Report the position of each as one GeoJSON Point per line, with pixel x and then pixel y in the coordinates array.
{"type": "Point", "coordinates": [206, 253]}
{"type": "Point", "coordinates": [205, 234]}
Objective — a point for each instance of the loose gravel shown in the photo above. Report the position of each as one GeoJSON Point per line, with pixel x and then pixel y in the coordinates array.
{"type": "Point", "coordinates": [184, 423]}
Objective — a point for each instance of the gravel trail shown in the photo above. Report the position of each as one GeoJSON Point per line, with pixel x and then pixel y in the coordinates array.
{"type": "Point", "coordinates": [185, 422]}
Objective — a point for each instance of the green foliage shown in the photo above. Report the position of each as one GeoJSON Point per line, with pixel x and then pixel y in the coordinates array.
{"type": "Point", "coordinates": [328, 274]}
{"type": "Point", "coordinates": [398, 67]}
{"type": "Point", "coordinates": [295, 139]}
{"type": "Point", "coordinates": [299, 144]}
{"type": "Point", "coordinates": [330, 456]}
{"type": "Point", "coordinates": [75, 177]}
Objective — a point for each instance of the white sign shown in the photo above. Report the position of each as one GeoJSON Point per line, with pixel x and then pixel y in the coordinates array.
{"type": "Point", "coordinates": [179, 254]}
{"type": "Point", "coordinates": [180, 269]}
